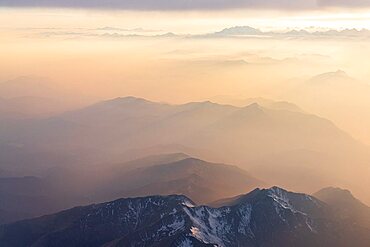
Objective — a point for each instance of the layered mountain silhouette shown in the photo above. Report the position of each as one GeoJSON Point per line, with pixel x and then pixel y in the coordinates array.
{"type": "Point", "coordinates": [264, 102]}
{"type": "Point", "coordinates": [278, 145]}
{"type": "Point", "coordinates": [166, 174]}
{"type": "Point", "coordinates": [269, 217]}
{"type": "Point", "coordinates": [199, 180]}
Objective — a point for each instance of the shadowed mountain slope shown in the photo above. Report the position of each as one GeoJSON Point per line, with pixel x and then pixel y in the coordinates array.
{"type": "Point", "coordinates": [269, 217]}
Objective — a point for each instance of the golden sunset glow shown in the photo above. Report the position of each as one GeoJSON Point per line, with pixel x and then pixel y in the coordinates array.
{"type": "Point", "coordinates": [170, 105]}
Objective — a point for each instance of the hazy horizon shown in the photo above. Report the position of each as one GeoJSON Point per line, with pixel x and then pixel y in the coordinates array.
{"type": "Point", "coordinates": [169, 105]}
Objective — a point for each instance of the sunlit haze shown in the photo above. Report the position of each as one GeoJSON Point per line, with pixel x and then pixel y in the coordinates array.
{"type": "Point", "coordinates": [102, 100]}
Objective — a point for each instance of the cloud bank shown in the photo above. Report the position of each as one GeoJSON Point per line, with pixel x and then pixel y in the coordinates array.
{"type": "Point", "coordinates": [187, 4]}
{"type": "Point", "coordinates": [344, 3]}
{"type": "Point", "coordinates": [231, 32]}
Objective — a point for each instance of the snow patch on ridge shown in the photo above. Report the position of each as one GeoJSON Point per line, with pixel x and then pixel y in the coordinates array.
{"type": "Point", "coordinates": [281, 198]}
{"type": "Point", "coordinates": [209, 225]}
{"type": "Point", "coordinates": [245, 212]}
{"type": "Point", "coordinates": [282, 202]}
{"type": "Point", "coordinates": [175, 226]}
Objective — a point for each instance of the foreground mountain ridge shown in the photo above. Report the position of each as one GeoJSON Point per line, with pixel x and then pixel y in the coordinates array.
{"type": "Point", "coordinates": [264, 217]}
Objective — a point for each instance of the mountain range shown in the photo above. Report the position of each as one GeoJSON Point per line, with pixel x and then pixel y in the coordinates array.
{"type": "Point", "coordinates": [268, 142]}
{"type": "Point", "coordinates": [264, 217]}
{"type": "Point", "coordinates": [247, 31]}
{"type": "Point", "coordinates": [199, 180]}
{"type": "Point", "coordinates": [61, 188]}
{"type": "Point", "coordinates": [230, 32]}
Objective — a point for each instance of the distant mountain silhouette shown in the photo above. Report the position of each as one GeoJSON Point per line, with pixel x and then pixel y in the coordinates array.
{"type": "Point", "coordinates": [346, 205]}
{"type": "Point", "coordinates": [267, 103]}
{"type": "Point", "coordinates": [166, 174]}
{"type": "Point", "coordinates": [276, 144]}
{"type": "Point", "coordinates": [339, 97]}
{"type": "Point", "coordinates": [246, 31]}
{"type": "Point", "coordinates": [199, 180]}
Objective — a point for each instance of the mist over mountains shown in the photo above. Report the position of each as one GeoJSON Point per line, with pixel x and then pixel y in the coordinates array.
{"type": "Point", "coordinates": [131, 170]}
{"type": "Point", "coordinates": [277, 145]}
{"type": "Point", "coordinates": [167, 174]}
{"type": "Point", "coordinates": [30, 97]}
{"type": "Point", "coordinates": [178, 123]}
{"type": "Point", "coordinates": [130, 147]}
{"type": "Point", "coordinates": [337, 96]}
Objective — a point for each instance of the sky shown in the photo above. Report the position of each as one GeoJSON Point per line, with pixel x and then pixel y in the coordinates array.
{"type": "Point", "coordinates": [189, 5]}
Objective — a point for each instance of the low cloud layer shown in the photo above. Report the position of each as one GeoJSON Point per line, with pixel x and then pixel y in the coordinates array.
{"type": "Point", "coordinates": [186, 4]}
{"type": "Point", "coordinates": [344, 3]}
{"type": "Point", "coordinates": [231, 32]}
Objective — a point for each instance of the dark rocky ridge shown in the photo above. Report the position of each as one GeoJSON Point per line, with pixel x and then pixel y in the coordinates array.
{"type": "Point", "coordinates": [269, 218]}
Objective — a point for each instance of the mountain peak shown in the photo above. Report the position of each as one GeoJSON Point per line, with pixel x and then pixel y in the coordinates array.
{"type": "Point", "coordinates": [254, 105]}
{"type": "Point", "coordinates": [188, 163]}
{"type": "Point", "coordinates": [128, 99]}
{"type": "Point", "coordinates": [277, 190]}
{"type": "Point", "coordinates": [193, 160]}
{"type": "Point", "coordinates": [279, 198]}
{"type": "Point", "coordinates": [255, 195]}
{"type": "Point", "coordinates": [203, 103]}
{"type": "Point", "coordinates": [335, 190]}
{"type": "Point", "coordinates": [341, 72]}
{"type": "Point", "coordinates": [275, 193]}
{"type": "Point", "coordinates": [333, 195]}
{"type": "Point", "coordinates": [338, 75]}
{"type": "Point", "coordinates": [239, 30]}
{"type": "Point", "coordinates": [252, 108]}
{"type": "Point", "coordinates": [200, 104]}
{"type": "Point", "coordinates": [126, 103]}
{"type": "Point", "coordinates": [346, 205]}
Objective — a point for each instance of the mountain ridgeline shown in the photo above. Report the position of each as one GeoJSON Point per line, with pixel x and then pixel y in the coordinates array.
{"type": "Point", "coordinates": [202, 181]}
{"type": "Point", "coordinates": [165, 174]}
{"type": "Point", "coordinates": [269, 140]}
{"type": "Point", "coordinates": [264, 217]}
